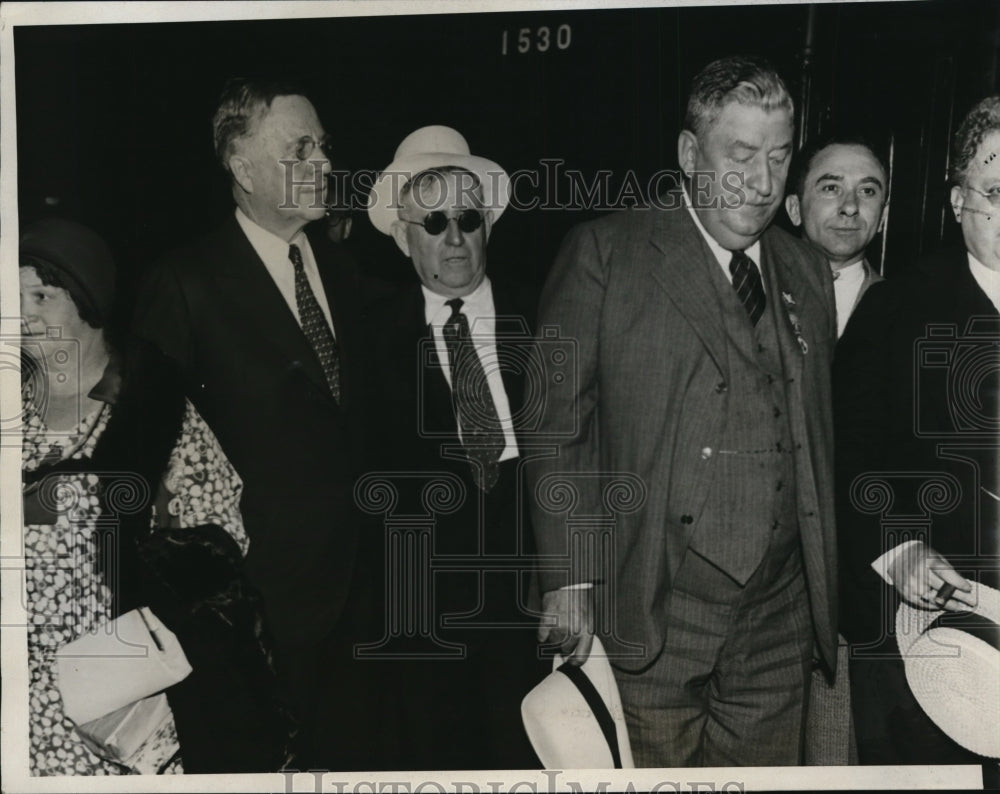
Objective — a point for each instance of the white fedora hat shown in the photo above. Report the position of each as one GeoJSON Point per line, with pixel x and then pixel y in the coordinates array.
{"type": "Point", "coordinates": [954, 670]}
{"type": "Point", "coordinates": [574, 717]}
{"type": "Point", "coordinates": [425, 149]}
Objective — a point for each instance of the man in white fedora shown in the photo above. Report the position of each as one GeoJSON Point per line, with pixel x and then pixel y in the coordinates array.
{"type": "Point", "coordinates": [450, 349]}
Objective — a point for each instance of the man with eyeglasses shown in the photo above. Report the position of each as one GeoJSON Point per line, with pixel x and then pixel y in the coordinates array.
{"type": "Point", "coordinates": [916, 379]}
{"type": "Point", "coordinates": [260, 322]}
{"type": "Point", "coordinates": [838, 196]}
{"type": "Point", "coordinates": [451, 353]}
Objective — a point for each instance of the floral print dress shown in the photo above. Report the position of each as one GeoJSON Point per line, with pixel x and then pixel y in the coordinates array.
{"type": "Point", "coordinates": [66, 594]}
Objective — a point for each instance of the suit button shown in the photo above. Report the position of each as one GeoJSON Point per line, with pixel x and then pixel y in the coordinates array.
{"type": "Point", "coordinates": [720, 387]}
{"type": "Point", "coordinates": [706, 453]}
{"type": "Point", "coordinates": [686, 519]}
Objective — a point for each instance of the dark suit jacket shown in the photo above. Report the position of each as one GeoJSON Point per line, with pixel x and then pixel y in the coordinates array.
{"type": "Point", "coordinates": [871, 277]}
{"type": "Point", "coordinates": [457, 713]}
{"type": "Point", "coordinates": [413, 417]}
{"type": "Point", "coordinates": [633, 291]}
{"type": "Point", "coordinates": [214, 311]}
{"type": "Point", "coordinates": [916, 419]}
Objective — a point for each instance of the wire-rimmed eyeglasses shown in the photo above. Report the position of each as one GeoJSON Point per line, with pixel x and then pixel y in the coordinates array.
{"type": "Point", "coordinates": [306, 145]}
{"type": "Point", "coordinates": [992, 196]}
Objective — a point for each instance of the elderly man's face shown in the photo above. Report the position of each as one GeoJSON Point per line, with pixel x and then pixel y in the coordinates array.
{"type": "Point", "coordinates": [843, 202]}
{"type": "Point", "coordinates": [981, 220]}
{"type": "Point", "coordinates": [283, 196]}
{"type": "Point", "coordinates": [738, 168]}
{"type": "Point", "coordinates": [452, 263]}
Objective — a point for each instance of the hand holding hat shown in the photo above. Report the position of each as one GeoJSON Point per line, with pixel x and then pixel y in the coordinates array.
{"type": "Point", "coordinates": [953, 668]}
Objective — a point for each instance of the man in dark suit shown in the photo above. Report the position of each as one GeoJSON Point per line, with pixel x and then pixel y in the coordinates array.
{"type": "Point", "coordinates": [839, 193]}
{"type": "Point", "coordinates": [916, 407]}
{"type": "Point", "coordinates": [261, 323]}
{"type": "Point", "coordinates": [450, 349]}
{"type": "Point", "coordinates": [704, 339]}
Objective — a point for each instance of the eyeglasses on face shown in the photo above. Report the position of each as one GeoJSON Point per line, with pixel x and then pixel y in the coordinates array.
{"type": "Point", "coordinates": [992, 196]}
{"type": "Point", "coordinates": [436, 222]}
{"type": "Point", "coordinates": [306, 145]}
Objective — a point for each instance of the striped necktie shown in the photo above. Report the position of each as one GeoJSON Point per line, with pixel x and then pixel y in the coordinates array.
{"type": "Point", "coordinates": [749, 288]}
{"type": "Point", "coordinates": [478, 419]}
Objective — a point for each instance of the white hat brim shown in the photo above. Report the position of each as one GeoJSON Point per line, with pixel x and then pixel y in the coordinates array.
{"type": "Point", "coordinates": [955, 676]}
{"type": "Point", "coordinates": [383, 200]}
{"type": "Point", "coordinates": [561, 726]}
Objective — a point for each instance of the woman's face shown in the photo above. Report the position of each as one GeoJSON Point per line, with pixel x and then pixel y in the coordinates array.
{"type": "Point", "coordinates": [44, 306]}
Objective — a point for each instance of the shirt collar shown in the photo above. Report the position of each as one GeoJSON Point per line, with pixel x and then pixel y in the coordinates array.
{"type": "Point", "coordinates": [723, 255]}
{"type": "Point", "coordinates": [268, 245]}
{"type": "Point", "coordinates": [853, 272]}
{"type": "Point", "coordinates": [110, 384]}
{"type": "Point", "coordinates": [987, 279]}
{"type": "Point", "coordinates": [478, 303]}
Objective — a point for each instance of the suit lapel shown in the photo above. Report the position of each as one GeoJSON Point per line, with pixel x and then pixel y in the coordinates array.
{"type": "Point", "coordinates": [681, 272]}
{"type": "Point", "coordinates": [788, 295]}
{"type": "Point", "coordinates": [247, 286]}
{"type": "Point", "coordinates": [419, 356]}
{"type": "Point", "coordinates": [871, 277]}
{"type": "Point", "coordinates": [338, 291]}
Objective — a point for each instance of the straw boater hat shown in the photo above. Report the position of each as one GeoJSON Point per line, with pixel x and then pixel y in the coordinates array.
{"type": "Point", "coordinates": [428, 148]}
{"type": "Point", "coordinates": [574, 718]}
{"type": "Point", "coordinates": [954, 670]}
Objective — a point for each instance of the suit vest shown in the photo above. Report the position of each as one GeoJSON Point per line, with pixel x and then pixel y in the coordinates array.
{"type": "Point", "coordinates": [751, 513]}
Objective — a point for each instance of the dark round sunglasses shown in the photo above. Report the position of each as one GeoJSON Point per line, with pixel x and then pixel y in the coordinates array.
{"type": "Point", "coordinates": [436, 222]}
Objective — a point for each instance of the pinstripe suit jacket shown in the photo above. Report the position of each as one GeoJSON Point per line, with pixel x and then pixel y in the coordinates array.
{"type": "Point", "coordinates": [633, 291]}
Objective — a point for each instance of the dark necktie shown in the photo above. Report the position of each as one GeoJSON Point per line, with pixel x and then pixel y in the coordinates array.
{"type": "Point", "coordinates": [477, 415]}
{"type": "Point", "coordinates": [749, 288]}
{"type": "Point", "coordinates": [314, 324]}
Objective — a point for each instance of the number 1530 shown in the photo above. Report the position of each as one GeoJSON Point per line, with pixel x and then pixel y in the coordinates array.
{"type": "Point", "coordinates": [540, 39]}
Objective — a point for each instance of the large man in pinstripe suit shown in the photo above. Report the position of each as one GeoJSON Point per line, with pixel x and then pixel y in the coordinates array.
{"type": "Point", "coordinates": [704, 340]}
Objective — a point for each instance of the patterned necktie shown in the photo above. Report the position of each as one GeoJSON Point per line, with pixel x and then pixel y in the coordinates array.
{"type": "Point", "coordinates": [482, 435]}
{"type": "Point", "coordinates": [314, 324]}
{"type": "Point", "coordinates": [749, 288]}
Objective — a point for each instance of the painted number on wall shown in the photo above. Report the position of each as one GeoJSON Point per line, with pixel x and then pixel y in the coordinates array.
{"type": "Point", "coordinates": [539, 39]}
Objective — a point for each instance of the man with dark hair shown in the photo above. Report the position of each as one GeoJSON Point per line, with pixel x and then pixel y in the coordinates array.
{"type": "Point", "coordinates": [839, 196]}
{"type": "Point", "coordinates": [916, 406]}
{"type": "Point", "coordinates": [260, 322]}
{"type": "Point", "coordinates": [703, 338]}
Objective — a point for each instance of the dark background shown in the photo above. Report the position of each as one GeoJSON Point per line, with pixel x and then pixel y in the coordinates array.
{"type": "Point", "coordinates": [113, 121]}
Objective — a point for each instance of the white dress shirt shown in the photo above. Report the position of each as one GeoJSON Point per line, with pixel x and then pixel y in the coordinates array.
{"type": "Point", "coordinates": [273, 252]}
{"type": "Point", "coordinates": [722, 255]}
{"type": "Point", "coordinates": [846, 286]}
{"type": "Point", "coordinates": [987, 279]}
{"type": "Point", "coordinates": [481, 314]}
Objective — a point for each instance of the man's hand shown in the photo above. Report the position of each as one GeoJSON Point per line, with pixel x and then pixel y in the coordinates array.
{"type": "Point", "coordinates": [573, 610]}
{"type": "Point", "coordinates": [919, 574]}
